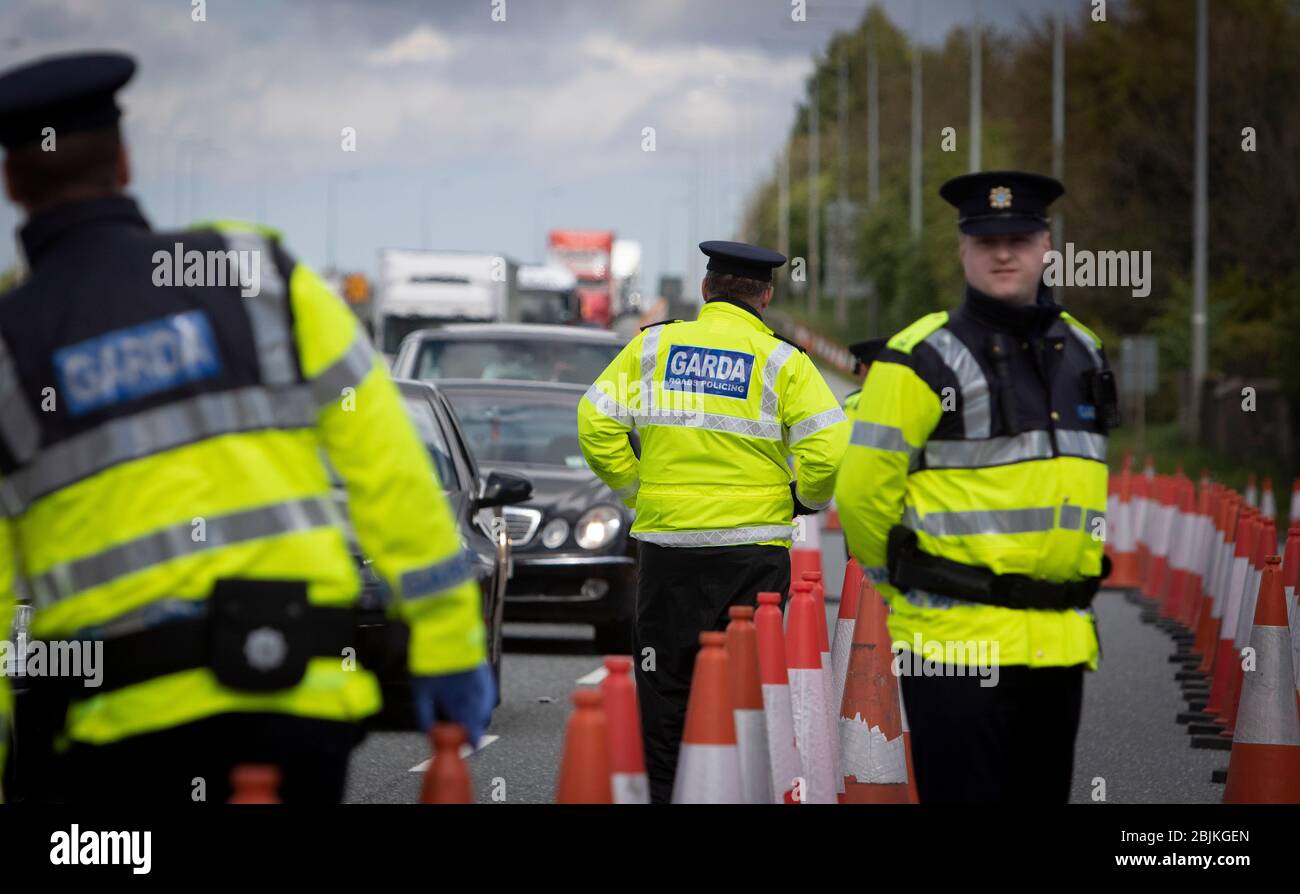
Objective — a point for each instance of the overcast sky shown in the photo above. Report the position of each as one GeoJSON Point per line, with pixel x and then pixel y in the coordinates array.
{"type": "Point", "coordinates": [470, 134]}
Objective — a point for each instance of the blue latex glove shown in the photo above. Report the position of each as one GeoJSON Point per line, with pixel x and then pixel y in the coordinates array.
{"type": "Point", "coordinates": [466, 698]}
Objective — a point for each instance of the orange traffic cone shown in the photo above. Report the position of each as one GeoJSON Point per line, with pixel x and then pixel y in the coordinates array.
{"type": "Point", "coordinates": [1267, 505]}
{"type": "Point", "coordinates": [871, 725]}
{"type": "Point", "coordinates": [842, 644]}
{"type": "Point", "coordinates": [747, 706]}
{"type": "Point", "coordinates": [1265, 762]}
{"type": "Point", "coordinates": [813, 726]}
{"type": "Point", "coordinates": [708, 765]}
{"type": "Point", "coordinates": [1252, 493]}
{"type": "Point", "coordinates": [1290, 577]}
{"type": "Point", "coordinates": [1225, 657]}
{"type": "Point", "coordinates": [806, 547]}
{"type": "Point", "coordinates": [824, 645]}
{"type": "Point", "coordinates": [1265, 544]}
{"type": "Point", "coordinates": [255, 784]}
{"type": "Point", "coordinates": [446, 781]}
{"type": "Point", "coordinates": [777, 712]}
{"type": "Point", "coordinates": [585, 767]}
{"type": "Point", "coordinates": [626, 751]}
{"type": "Point", "coordinates": [1122, 531]}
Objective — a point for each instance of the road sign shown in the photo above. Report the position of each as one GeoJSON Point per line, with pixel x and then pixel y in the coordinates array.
{"type": "Point", "coordinates": [1139, 367]}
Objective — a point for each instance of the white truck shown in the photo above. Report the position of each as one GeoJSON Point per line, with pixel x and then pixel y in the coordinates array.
{"type": "Point", "coordinates": [625, 273]}
{"type": "Point", "coordinates": [418, 289]}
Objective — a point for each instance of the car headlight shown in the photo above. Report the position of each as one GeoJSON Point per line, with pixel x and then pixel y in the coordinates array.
{"type": "Point", "coordinates": [555, 533]}
{"type": "Point", "coordinates": [597, 527]}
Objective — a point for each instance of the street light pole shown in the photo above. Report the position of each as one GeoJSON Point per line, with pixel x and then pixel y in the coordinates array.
{"type": "Point", "coordinates": [1200, 223]}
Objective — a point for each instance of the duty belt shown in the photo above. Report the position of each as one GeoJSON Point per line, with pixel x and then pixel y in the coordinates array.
{"type": "Point", "coordinates": [184, 645]}
{"type": "Point", "coordinates": [910, 568]}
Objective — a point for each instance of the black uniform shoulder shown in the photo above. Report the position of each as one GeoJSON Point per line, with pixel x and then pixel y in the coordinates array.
{"type": "Point", "coordinates": [660, 323]}
{"type": "Point", "coordinates": [791, 342]}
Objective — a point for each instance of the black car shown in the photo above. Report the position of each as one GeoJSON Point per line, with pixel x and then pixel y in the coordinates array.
{"type": "Point", "coordinates": [573, 559]}
{"type": "Point", "coordinates": [496, 351]}
{"type": "Point", "coordinates": [475, 500]}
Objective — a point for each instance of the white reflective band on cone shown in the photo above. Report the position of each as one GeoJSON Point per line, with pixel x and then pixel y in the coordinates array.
{"type": "Point", "coordinates": [1236, 584]}
{"type": "Point", "coordinates": [833, 712]}
{"type": "Point", "coordinates": [868, 756]}
{"type": "Point", "coordinates": [1246, 615]}
{"type": "Point", "coordinates": [1262, 717]}
{"type": "Point", "coordinates": [707, 774]}
{"type": "Point", "coordinates": [841, 647]}
{"type": "Point", "coordinates": [779, 718]}
{"type": "Point", "coordinates": [755, 765]}
{"type": "Point", "coordinates": [812, 733]}
{"type": "Point", "coordinates": [630, 788]}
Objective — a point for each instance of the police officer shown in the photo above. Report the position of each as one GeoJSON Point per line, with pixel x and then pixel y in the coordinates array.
{"type": "Point", "coordinates": [972, 493]}
{"type": "Point", "coordinates": [164, 489]}
{"type": "Point", "coordinates": [864, 354]}
{"type": "Point", "coordinates": [720, 404]}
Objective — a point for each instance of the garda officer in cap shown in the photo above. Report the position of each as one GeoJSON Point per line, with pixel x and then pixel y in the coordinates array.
{"type": "Point", "coordinates": [163, 491]}
{"type": "Point", "coordinates": [720, 403]}
{"type": "Point", "coordinates": [973, 493]}
{"type": "Point", "coordinates": [864, 354]}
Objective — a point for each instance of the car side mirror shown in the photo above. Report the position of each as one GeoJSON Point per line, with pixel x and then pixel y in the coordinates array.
{"type": "Point", "coordinates": [503, 489]}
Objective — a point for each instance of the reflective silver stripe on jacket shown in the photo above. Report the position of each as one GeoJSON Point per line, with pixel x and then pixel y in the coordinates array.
{"type": "Point", "coordinates": [717, 537]}
{"type": "Point", "coordinates": [346, 372]}
{"type": "Point", "coordinates": [437, 578]}
{"type": "Point", "coordinates": [732, 425]}
{"type": "Point", "coordinates": [154, 431]}
{"type": "Point", "coordinates": [608, 406]}
{"type": "Point", "coordinates": [881, 437]}
{"type": "Point", "coordinates": [649, 350]}
{"type": "Point", "coordinates": [999, 451]}
{"type": "Point", "coordinates": [814, 424]}
{"type": "Point", "coordinates": [982, 521]}
{"type": "Point", "coordinates": [18, 426]}
{"type": "Point", "coordinates": [974, 387]}
{"type": "Point", "coordinates": [1091, 520]}
{"type": "Point", "coordinates": [268, 311]}
{"type": "Point", "coordinates": [178, 541]}
{"type": "Point", "coordinates": [629, 490]}
{"type": "Point", "coordinates": [1086, 444]}
{"type": "Point", "coordinates": [1071, 516]}
{"type": "Point", "coordinates": [775, 360]}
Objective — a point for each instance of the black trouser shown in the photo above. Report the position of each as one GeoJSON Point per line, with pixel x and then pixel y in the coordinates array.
{"type": "Point", "coordinates": [163, 767]}
{"type": "Point", "coordinates": [1008, 743]}
{"type": "Point", "coordinates": [680, 593]}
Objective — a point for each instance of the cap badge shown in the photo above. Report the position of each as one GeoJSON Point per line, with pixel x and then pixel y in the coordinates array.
{"type": "Point", "coordinates": [1000, 198]}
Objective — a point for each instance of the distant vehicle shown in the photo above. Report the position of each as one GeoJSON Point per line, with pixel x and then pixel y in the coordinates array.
{"type": "Point", "coordinates": [417, 289]}
{"type": "Point", "coordinates": [625, 275]}
{"type": "Point", "coordinates": [573, 559]}
{"type": "Point", "coordinates": [546, 293]}
{"type": "Point", "coordinates": [476, 497]}
{"type": "Point", "coordinates": [587, 255]}
{"type": "Point", "coordinates": [534, 353]}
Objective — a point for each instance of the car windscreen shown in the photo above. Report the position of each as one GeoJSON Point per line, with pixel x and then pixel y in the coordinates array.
{"type": "Point", "coordinates": [531, 360]}
{"type": "Point", "coordinates": [520, 427]}
{"type": "Point", "coordinates": [426, 424]}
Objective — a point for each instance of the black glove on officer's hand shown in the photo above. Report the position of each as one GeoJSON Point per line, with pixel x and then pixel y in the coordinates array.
{"type": "Point", "coordinates": [799, 508]}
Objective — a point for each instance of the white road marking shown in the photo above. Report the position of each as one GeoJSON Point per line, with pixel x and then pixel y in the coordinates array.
{"type": "Point", "coordinates": [593, 678]}
{"type": "Point", "coordinates": [465, 751]}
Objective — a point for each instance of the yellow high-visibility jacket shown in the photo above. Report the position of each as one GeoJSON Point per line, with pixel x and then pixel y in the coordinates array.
{"type": "Point", "coordinates": [122, 504]}
{"type": "Point", "coordinates": [720, 403]}
{"type": "Point", "coordinates": [929, 450]}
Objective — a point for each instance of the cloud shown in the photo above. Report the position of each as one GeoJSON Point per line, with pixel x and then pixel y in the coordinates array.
{"type": "Point", "coordinates": [423, 44]}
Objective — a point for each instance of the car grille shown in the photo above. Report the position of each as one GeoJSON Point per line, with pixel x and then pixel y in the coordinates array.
{"type": "Point", "coordinates": [521, 524]}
